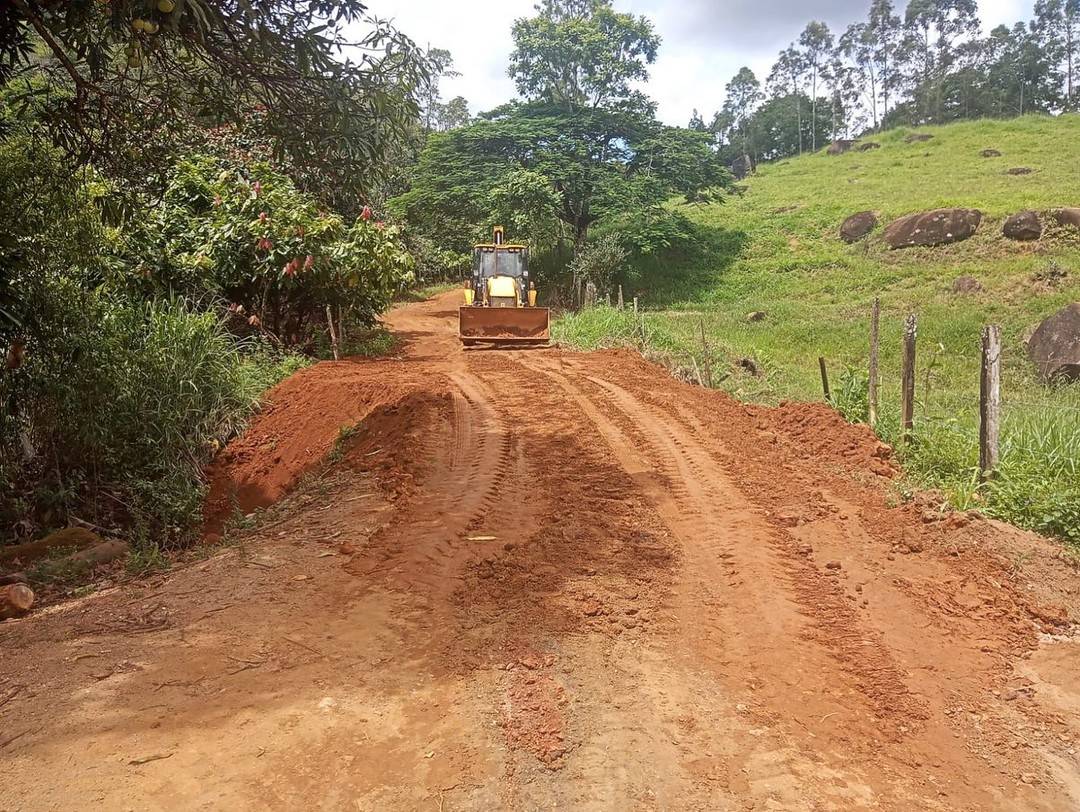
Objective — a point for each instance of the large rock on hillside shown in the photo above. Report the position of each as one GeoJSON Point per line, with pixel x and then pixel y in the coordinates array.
{"type": "Point", "coordinates": [866, 146]}
{"type": "Point", "coordinates": [840, 147]}
{"type": "Point", "coordinates": [1024, 225]}
{"type": "Point", "coordinates": [858, 226]}
{"type": "Point", "coordinates": [917, 138]}
{"type": "Point", "coordinates": [990, 153]}
{"type": "Point", "coordinates": [1068, 217]}
{"type": "Point", "coordinates": [743, 166]}
{"type": "Point", "coordinates": [1055, 345]}
{"type": "Point", "coordinates": [938, 227]}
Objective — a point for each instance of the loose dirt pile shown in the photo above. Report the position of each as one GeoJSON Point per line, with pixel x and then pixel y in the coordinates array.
{"type": "Point", "coordinates": [304, 417]}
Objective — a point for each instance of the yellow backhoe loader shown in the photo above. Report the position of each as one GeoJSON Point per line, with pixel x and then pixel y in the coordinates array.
{"type": "Point", "coordinates": [500, 300]}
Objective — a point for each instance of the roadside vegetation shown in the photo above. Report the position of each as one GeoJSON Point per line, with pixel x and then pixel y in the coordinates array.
{"type": "Point", "coordinates": [175, 243]}
{"type": "Point", "coordinates": [774, 251]}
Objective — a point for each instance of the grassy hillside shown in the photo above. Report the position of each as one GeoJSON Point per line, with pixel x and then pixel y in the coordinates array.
{"type": "Point", "coordinates": [776, 249]}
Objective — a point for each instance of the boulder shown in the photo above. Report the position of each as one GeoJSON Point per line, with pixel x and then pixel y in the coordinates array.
{"type": "Point", "coordinates": [1068, 217]}
{"type": "Point", "coordinates": [1024, 225]}
{"type": "Point", "coordinates": [839, 147]}
{"type": "Point", "coordinates": [1054, 347]}
{"type": "Point", "coordinates": [743, 166]}
{"type": "Point", "coordinates": [938, 227]}
{"type": "Point", "coordinates": [858, 226]}
{"type": "Point", "coordinates": [966, 284]}
{"type": "Point", "coordinates": [751, 366]}
{"type": "Point", "coordinates": [990, 153]}
{"type": "Point", "coordinates": [866, 146]}
{"type": "Point", "coordinates": [757, 315]}
{"type": "Point", "coordinates": [1019, 170]}
{"type": "Point", "coordinates": [917, 138]}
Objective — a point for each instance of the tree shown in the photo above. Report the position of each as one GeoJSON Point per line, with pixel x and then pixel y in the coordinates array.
{"type": "Point", "coordinates": [440, 64]}
{"type": "Point", "coordinates": [787, 78]}
{"type": "Point", "coordinates": [884, 32]}
{"type": "Point", "coordinates": [933, 30]}
{"type": "Point", "coordinates": [112, 78]}
{"type": "Point", "coordinates": [582, 54]}
{"type": "Point", "coordinates": [697, 123]}
{"type": "Point", "coordinates": [817, 42]}
{"type": "Point", "coordinates": [581, 168]}
{"type": "Point", "coordinates": [778, 132]}
{"type": "Point", "coordinates": [857, 44]}
{"type": "Point", "coordinates": [841, 82]}
{"type": "Point", "coordinates": [1057, 25]}
{"type": "Point", "coordinates": [453, 114]}
{"type": "Point", "coordinates": [1021, 75]}
{"type": "Point", "coordinates": [742, 96]}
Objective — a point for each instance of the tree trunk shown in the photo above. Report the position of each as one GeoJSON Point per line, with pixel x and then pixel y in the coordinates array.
{"type": "Point", "coordinates": [581, 236]}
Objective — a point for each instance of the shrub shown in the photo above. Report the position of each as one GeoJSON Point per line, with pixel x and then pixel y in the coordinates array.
{"type": "Point", "coordinates": [243, 232]}
{"type": "Point", "coordinates": [600, 262]}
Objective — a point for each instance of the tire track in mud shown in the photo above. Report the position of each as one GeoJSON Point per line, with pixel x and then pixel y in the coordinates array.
{"type": "Point", "coordinates": [575, 596]}
{"type": "Point", "coordinates": [425, 548]}
{"type": "Point", "coordinates": [864, 691]}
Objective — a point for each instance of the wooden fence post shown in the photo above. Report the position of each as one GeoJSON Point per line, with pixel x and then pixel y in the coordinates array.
{"type": "Point", "coordinates": [635, 304]}
{"type": "Point", "coordinates": [824, 379]}
{"type": "Point", "coordinates": [705, 354]}
{"type": "Point", "coordinates": [990, 400]}
{"type": "Point", "coordinates": [875, 336]}
{"type": "Point", "coordinates": [333, 333]}
{"type": "Point", "coordinates": [620, 298]}
{"type": "Point", "coordinates": [907, 377]}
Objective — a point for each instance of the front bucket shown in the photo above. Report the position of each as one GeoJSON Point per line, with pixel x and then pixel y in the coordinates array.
{"type": "Point", "coordinates": [504, 325]}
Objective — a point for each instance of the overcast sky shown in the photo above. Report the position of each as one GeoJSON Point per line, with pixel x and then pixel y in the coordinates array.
{"type": "Point", "coordinates": [704, 42]}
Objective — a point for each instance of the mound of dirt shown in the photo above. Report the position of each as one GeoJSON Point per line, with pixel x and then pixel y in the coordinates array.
{"type": "Point", "coordinates": [299, 426]}
{"type": "Point", "coordinates": [821, 429]}
{"type": "Point", "coordinates": [393, 441]}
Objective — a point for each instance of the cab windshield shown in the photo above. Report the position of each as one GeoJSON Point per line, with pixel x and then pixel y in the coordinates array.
{"type": "Point", "coordinates": [488, 262]}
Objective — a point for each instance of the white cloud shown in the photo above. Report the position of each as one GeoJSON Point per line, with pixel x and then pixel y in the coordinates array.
{"type": "Point", "coordinates": [704, 41]}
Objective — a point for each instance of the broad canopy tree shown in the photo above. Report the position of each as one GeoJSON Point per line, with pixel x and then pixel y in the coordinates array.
{"type": "Point", "coordinates": [576, 169]}
{"type": "Point", "coordinates": [583, 146]}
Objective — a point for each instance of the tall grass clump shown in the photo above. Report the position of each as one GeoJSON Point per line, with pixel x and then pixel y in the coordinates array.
{"type": "Point", "coordinates": [118, 414]}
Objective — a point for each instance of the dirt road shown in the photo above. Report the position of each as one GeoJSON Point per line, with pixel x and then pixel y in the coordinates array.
{"type": "Point", "coordinates": [543, 579]}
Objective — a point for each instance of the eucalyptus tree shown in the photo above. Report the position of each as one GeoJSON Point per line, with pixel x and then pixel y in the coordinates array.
{"type": "Point", "coordinates": [786, 79]}
{"type": "Point", "coordinates": [816, 42]}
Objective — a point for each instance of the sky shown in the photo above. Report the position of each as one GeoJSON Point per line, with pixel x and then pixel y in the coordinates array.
{"type": "Point", "coordinates": [703, 42]}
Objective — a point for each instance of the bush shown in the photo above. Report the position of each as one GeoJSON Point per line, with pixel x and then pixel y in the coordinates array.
{"type": "Point", "coordinates": [122, 410]}
{"type": "Point", "coordinates": [600, 263]}
{"type": "Point", "coordinates": [244, 233]}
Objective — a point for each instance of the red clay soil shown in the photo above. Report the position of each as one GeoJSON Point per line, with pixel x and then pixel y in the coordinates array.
{"type": "Point", "coordinates": [544, 579]}
{"type": "Point", "coordinates": [302, 420]}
